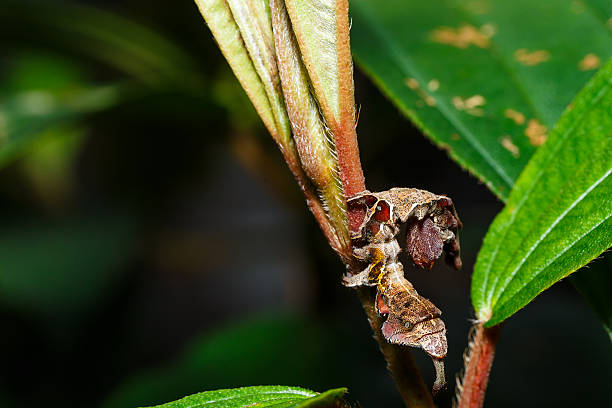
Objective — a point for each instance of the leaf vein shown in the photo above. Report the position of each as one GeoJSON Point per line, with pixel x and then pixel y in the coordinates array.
{"type": "Point", "coordinates": [553, 225]}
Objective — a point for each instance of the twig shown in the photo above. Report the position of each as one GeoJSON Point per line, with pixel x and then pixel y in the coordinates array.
{"type": "Point", "coordinates": [478, 366]}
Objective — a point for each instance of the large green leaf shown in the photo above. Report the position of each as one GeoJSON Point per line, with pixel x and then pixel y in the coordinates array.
{"type": "Point", "coordinates": [484, 79]}
{"type": "Point", "coordinates": [559, 214]}
{"type": "Point", "coordinates": [456, 69]}
{"type": "Point", "coordinates": [277, 396]}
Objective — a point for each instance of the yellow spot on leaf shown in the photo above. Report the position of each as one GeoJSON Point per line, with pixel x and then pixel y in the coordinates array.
{"type": "Point", "coordinates": [531, 58]}
{"type": "Point", "coordinates": [609, 23]}
{"type": "Point", "coordinates": [455, 136]}
{"type": "Point", "coordinates": [507, 144]}
{"type": "Point", "coordinates": [517, 117]}
{"type": "Point", "coordinates": [412, 83]}
{"type": "Point", "coordinates": [433, 85]}
{"type": "Point", "coordinates": [461, 37]}
{"type": "Point", "coordinates": [471, 105]}
{"type": "Point", "coordinates": [589, 62]}
{"type": "Point", "coordinates": [536, 132]}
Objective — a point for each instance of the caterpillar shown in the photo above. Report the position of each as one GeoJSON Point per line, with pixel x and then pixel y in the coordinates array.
{"type": "Point", "coordinates": [431, 225]}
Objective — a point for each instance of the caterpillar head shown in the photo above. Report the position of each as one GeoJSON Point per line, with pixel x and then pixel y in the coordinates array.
{"type": "Point", "coordinates": [432, 223]}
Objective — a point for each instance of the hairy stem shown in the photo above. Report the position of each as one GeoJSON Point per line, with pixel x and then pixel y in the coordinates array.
{"type": "Point", "coordinates": [399, 359]}
{"type": "Point", "coordinates": [478, 366]}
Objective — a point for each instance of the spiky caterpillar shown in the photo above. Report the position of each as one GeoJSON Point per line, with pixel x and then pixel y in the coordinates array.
{"type": "Point", "coordinates": [431, 228]}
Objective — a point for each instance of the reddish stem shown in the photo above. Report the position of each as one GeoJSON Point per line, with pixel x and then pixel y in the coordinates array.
{"type": "Point", "coordinates": [345, 135]}
{"type": "Point", "coordinates": [478, 366]}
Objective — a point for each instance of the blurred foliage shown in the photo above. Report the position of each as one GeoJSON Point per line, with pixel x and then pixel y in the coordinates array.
{"type": "Point", "coordinates": [40, 93]}
{"type": "Point", "coordinates": [58, 272]}
{"type": "Point", "coordinates": [235, 356]}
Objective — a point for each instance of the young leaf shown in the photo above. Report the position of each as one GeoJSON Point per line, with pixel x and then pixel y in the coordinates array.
{"type": "Point", "coordinates": [253, 20]}
{"type": "Point", "coordinates": [243, 31]}
{"type": "Point", "coordinates": [261, 396]}
{"type": "Point", "coordinates": [559, 214]}
{"type": "Point", "coordinates": [486, 80]}
{"type": "Point", "coordinates": [321, 28]}
{"type": "Point", "coordinates": [219, 18]}
{"type": "Point", "coordinates": [312, 140]}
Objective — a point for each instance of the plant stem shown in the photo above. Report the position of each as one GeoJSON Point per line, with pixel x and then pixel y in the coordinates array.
{"type": "Point", "coordinates": [400, 362]}
{"type": "Point", "coordinates": [478, 366]}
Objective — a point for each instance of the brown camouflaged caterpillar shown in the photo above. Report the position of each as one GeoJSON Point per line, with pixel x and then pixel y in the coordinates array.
{"type": "Point", "coordinates": [432, 225]}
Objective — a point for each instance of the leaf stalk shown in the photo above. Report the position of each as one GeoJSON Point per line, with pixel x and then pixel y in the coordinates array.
{"type": "Point", "coordinates": [479, 360]}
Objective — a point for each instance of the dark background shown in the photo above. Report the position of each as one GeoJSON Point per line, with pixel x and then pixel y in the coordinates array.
{"type": "Point", "coordinates": [168, 250]}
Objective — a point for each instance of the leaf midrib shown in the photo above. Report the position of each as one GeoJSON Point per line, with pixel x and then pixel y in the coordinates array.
{"type": "Point", "coordinates": [552, 260]}
{"type": "Point", "coordinates": [532, 249]}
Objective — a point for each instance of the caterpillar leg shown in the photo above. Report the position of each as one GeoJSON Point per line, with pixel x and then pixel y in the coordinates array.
{"type": "Point", "coordinates": [360, 279]}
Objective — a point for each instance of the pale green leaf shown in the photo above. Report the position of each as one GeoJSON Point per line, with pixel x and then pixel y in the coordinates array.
{"type": "Point", "coordinates": [315, 25]}
{"type": "Point", "coordinates": [312, 141]}
{"type": "Point", "coordinates": [559, 214]}
{"type": "Point", "coordinates": [219, 18]}
{"type": "Point", "coordinates": [321, 28]}
{"type": "Point", "coordinates": [253, 20]}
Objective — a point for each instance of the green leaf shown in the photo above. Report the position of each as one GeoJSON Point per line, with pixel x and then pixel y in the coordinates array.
{"type": "Point", "coordinates": [559, 214]}
{"type": "Point", "coordinates": [321, 29]}
{"type": "Point", "coordinates": [218, 16]}
{"type": "Point", "coordinates": [312, 140]}
{"type": "Point", "coordinates": [452, 49]}
{"type": "Point", "coordinates": [484, 79]}
{"type": "Point", "coordinates": [261, 396]}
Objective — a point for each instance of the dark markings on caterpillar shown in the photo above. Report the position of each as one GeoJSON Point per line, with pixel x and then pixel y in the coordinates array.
{"type": "Point", "coordinates": [431, 229]}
